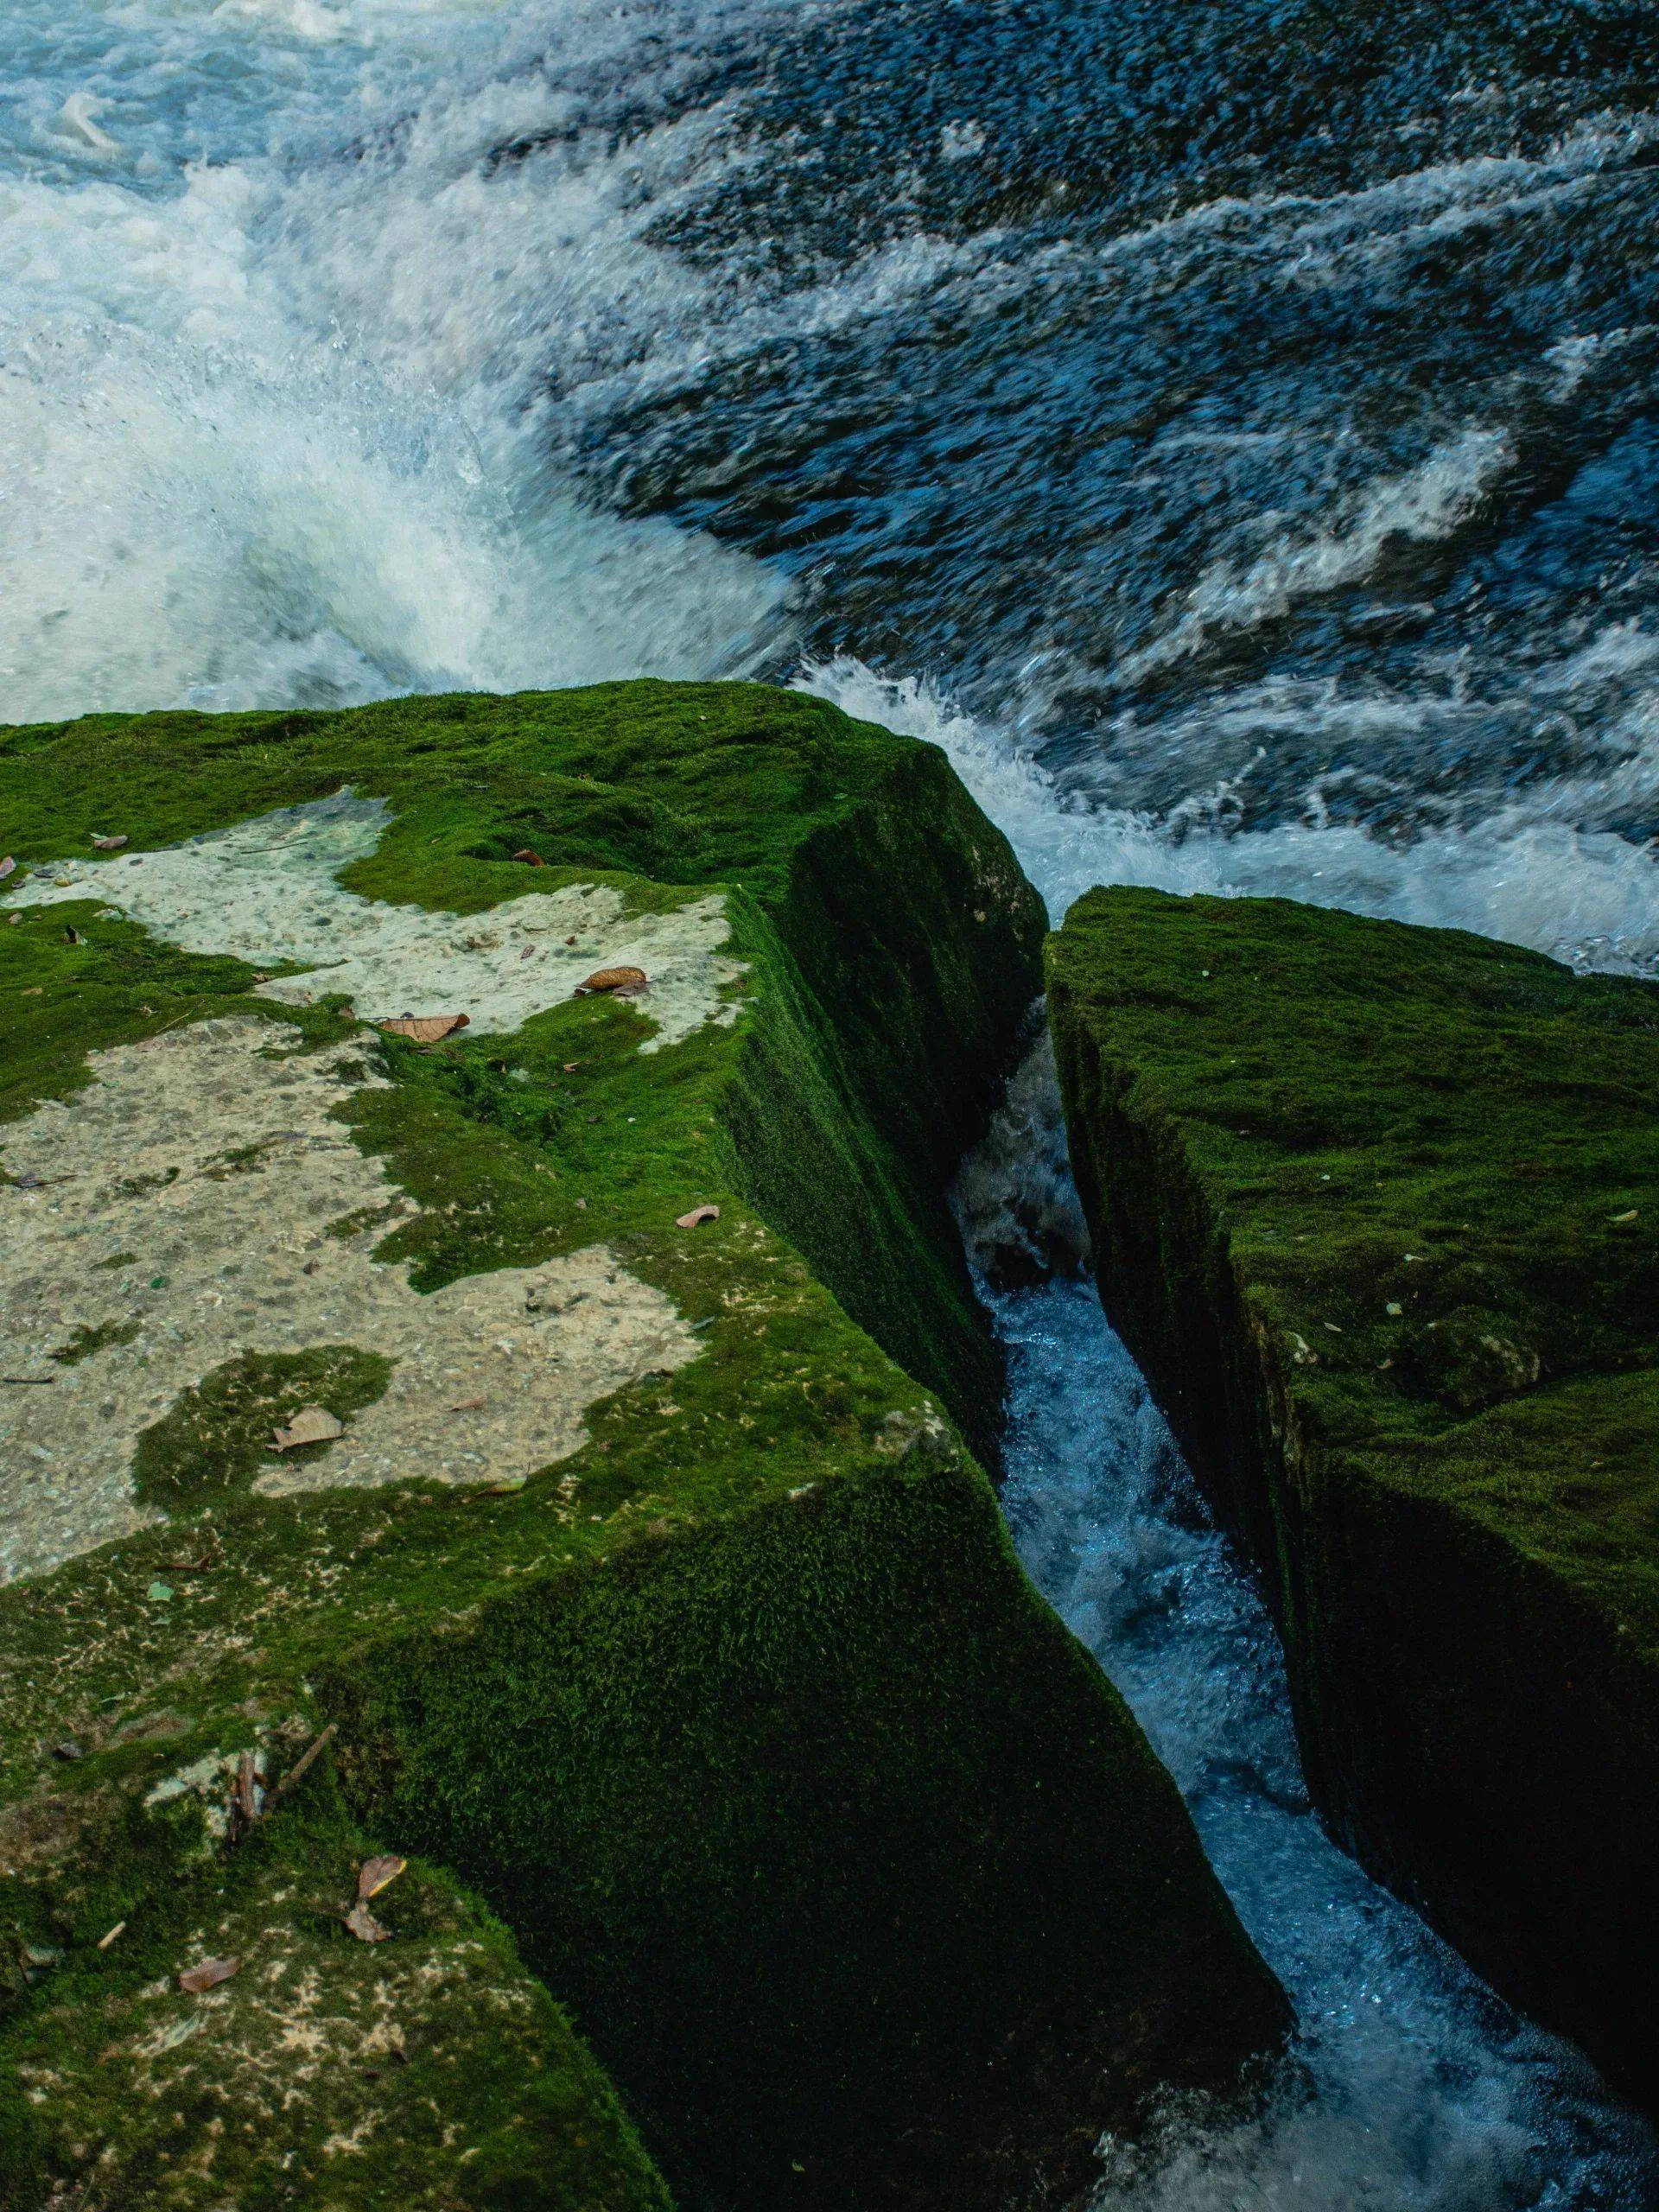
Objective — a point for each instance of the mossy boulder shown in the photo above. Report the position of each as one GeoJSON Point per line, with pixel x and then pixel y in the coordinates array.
{"type": "Point", "coordinates": [1378, 1210]}
{"type": "Point", "coordinates": [552, 1429]}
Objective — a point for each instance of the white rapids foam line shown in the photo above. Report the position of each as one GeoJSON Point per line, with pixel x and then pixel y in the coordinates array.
{"type": "Point", "coordinates": [1588, 897]}
{"type": "Point", "coordinates": [1423, 504]}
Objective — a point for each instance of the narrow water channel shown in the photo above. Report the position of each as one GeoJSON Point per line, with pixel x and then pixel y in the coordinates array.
{"type": "Point", "coordinates": [1411, 2087]}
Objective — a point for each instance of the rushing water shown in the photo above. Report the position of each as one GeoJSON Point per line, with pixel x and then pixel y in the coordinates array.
{"type": "Point", "coordinates": [1414, 2089]}
{"type": "Point", "coordinates": [1229, 430]}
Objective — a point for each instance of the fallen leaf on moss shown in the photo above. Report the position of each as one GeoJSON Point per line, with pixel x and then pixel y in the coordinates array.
{"type": "Point", "coordinates": [207, 1975]}
{"type": "Point", "coordinates": [1619, 1219]}
{"type": "Point", "coordinates": [377, 1874]}
{"type": "Point", "coordinates": [108, 844]}
{"type": "Point", "coordinates": [696, 1217]}
{"type": "Point", "coordinates": [364, 1925]}
{"type": "Point", "coordinates": [425, 1028]}
{"type": "Point", "coordinates": [32, 992]}
{"type": "Point", "coordinates": [311, 1425]}
{"type": "Point", "coordinates": [504, 1487]}
{"type": "Point", "coordinates": [530, 859]}
{"type": "Point", "coordinates": [621, 983]}
{"type": "Point", "coordinates": [6, 866]}
{"type": "Point", "coordinates": [119, 1929]}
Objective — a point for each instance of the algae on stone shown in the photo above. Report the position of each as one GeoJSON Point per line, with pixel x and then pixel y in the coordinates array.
{"type": "Point", "coordinates": [651, 1599]}
{"type": "Point", "coordinates": [1378, 1210]}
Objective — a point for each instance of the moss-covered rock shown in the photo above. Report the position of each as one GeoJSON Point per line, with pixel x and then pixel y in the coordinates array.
{"type": "Point", "coordinates": [656, 1606]}
{"type": "Point", "coordinates": [1378, 1210]}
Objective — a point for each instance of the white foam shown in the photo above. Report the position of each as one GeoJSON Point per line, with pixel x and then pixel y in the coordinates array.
{"type": "Point", "coordinates": [1527, 874]}
{"type": "Point", "coordinates": [1424, 504]}
{"type": "Point", "coordinates": [271, 427]}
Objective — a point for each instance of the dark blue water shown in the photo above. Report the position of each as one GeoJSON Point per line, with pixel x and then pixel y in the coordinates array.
{"type": "Point", "coordinates": [1255, 399]}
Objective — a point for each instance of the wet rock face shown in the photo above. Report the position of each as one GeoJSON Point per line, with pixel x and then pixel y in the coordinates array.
{"type": "Point", "coordinates": [1378, 1210]}
{"type": "Point", "coordinates": [529, 1447]}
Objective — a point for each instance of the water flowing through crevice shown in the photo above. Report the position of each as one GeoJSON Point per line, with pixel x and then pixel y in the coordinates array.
{"type": "Point", "coordinates": [1228, 430]}
{"type": "Point", "coordinates": [1411, 2087]}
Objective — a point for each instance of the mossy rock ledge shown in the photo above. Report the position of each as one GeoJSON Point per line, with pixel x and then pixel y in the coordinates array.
{"type": "Point", "coordinates": [769, 1843]}
{"type": "Point", "coordinates": [1378, 1210]}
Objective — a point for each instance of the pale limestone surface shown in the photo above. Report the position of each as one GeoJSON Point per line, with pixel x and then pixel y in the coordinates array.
{"type": "Point", "coordinates": [268, 891]}
{"type": "Point", "coordinates": [188, 1188]}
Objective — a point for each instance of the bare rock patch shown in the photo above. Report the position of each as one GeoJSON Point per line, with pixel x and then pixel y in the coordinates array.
{"type": "Point", "coordinates": [131, 1248]}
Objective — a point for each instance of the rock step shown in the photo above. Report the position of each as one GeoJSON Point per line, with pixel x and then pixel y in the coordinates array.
{"type": "Point", "coordinates": [1377, 1208]}
{"type": "Point", "coordinates": [558, 1416]}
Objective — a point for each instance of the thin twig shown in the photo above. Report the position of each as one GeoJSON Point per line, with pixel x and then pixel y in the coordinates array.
{"type": "Point", "coordinates": [297, 1769]}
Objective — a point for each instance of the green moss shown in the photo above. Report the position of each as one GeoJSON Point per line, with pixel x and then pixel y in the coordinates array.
{"type": "Point", "coordinates": [1013, 1936]}
{"type": "Point", "coordinates": [84, 1342]}
{"type": "Point", "coordinates": [217, 1437]}
{"type": "Point", "coordinates": [428, 2072]}
{"type": "Point", "coordinates": [764, 793]}
{"type": "Point", "coordinates": [744, 1688]}
{"type": "Point", "coordinates": [1376, 1207]}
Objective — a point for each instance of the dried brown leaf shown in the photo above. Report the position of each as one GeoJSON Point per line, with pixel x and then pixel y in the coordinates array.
{"type": "Point", "coordinates": [696, 1217]}
{"type": "Point", "coordinates": [110, 844]}
{"type": "Point", "coordinates": [426, 1028]}
{"type": "Point", "coordinates": [311, 1425]}
{"type": "Point", "coordinates": [377, 1874]}
{"type": "Point", "coordinates": [530, 859]}
{"type": "Point", "coordinates": [621, 983]}
{"type": "Point", "coordinates": [465, 1405]}
{"type": "Point", "coordinates": [207, 1975]}
{"type": "Point", "coordinates": [364, 1925]}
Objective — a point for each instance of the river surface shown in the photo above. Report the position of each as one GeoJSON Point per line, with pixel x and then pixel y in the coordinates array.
{"type": "Point", "coordinates": [1232, 431]}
